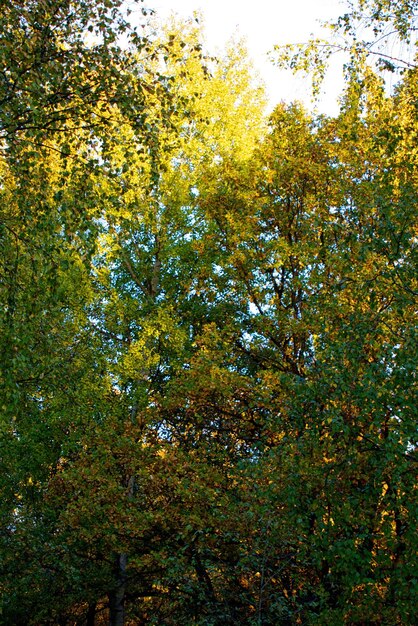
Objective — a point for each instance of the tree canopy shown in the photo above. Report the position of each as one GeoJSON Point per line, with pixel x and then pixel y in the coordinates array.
{"type": "Point", "coordinates": [208, 329]}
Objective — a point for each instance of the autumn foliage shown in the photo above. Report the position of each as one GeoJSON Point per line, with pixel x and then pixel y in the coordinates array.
{"type": "Point", "coordinates": [208, 331]}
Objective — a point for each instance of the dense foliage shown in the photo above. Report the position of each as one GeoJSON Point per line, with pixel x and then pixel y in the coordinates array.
{"type": "Point", "coordinates": [208, 331]}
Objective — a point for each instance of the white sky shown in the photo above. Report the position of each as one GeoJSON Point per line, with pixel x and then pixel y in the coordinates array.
{"type": "Point", "coordinates": [263, 24]}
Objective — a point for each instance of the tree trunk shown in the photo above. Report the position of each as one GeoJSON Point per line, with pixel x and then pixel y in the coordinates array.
{"type": "Point", "coordinates": [117, 596]}
{"type": "Point", "coordinates": [91, 615]}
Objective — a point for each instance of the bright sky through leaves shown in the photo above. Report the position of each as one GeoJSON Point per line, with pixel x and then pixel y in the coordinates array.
{"type": "Point", "coordinates": [263, 25]}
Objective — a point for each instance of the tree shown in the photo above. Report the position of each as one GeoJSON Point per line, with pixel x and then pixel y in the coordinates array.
{"type": "Point", "coordinates": [372, 33]}
{"type": "Point", "coordinates": [57, 94]}
{"type": "Point", "coordinates": [52, 74]}
{"type": "Point", "coordinates": [207, 331]}
{"type": "Point", "coordinates": [303, 257]}
{"type": "Point", "coordinates": [142, 321]}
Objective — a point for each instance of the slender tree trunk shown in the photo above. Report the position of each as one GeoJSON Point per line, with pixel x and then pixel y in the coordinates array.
{"type": "Point", "coordinates": [117, 596]}
{"type": "Point", "coordinates": [91, 614]}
